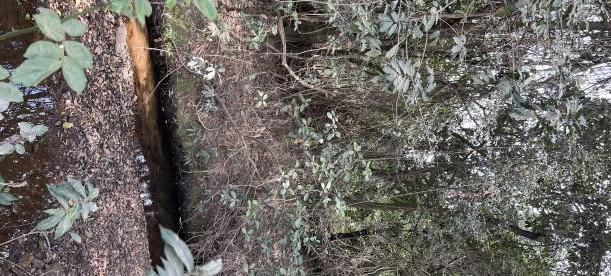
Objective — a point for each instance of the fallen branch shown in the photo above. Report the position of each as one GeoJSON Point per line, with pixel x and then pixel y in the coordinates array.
{"type": "Point", "coordinates": [288, 68]}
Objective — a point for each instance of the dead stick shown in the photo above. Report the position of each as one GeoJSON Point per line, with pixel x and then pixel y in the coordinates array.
{"type": "Point", "coordinates": [286, 65]}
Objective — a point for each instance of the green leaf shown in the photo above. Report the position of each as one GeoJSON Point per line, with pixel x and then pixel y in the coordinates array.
{"type": "Point", "coordinates": [43, 48]}
{"type": "Point", "coordinates": [143, 10]}
{"type": "Point", "coordinates": [170, 3]}
{"type": "Point", "coordinates": [74, 75]}
{"type": "Point", "coordinates": [61, 199]}
{"type": "Point", "coordinates": [50, 222]}
{"type": "Point", "coordinates": [66, 223]}
{"type": "Point", "coordinates": [6, 149]}
{"type": "Point", "coordinates": [19, 148]}
{"type": "Point", "coordinates": [10, 93]}
{"type": "Point", "coordinates": [172, 263]}
{"type": "Point", "coordinates": [75, 237]}
{"type": "Point", "coordinates": [4, 73]}
{"type": "Point", "coordinates": [74, 27]}
{"type": "Point", "coordinates": [34, 70]}
{"type": "Point", "coordinates": [161, 271]}
{"type": "Point", "coordinates": [67, 192]}
{"type": "Point", "coordinates": [93, 192]}
{"type": "Point", "coordinates": [29, 132]}
{"type": "Point", "coordinates": [393, 51]}
{"type": "Point", "coordinates": [123, 7]}
{"type": "Point", "coordinates": [49, 24]}
{"type": "Point", "coordinates": [180, 248]}
{"type": "Point", "coordinates": [4, 104]}
{"type": "Point", "coordinates": [80, 52]}
{"type": "Point", "coordinates": [55, 212]}
{"type": "Point", "coordinates": [88, 208]}
{"type": "Point", "coordinates": [212, 268]}
{"type": "Point", "coordinates": [77, 186]}
{"type": "Point", "coordinates": [6, 199]}
{"type": "Point", "coordinates": [207, 8]}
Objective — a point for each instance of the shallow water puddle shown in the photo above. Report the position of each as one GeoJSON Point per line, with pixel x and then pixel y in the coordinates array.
{"type": "Point", "coordinates": [33, 168]}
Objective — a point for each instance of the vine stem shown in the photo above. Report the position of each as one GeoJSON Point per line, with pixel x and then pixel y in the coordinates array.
{"type": "Point", "coordinates": [34, 28]}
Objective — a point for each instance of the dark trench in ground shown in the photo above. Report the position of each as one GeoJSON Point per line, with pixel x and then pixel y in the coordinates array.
{"type": "Point", "coordinates": [164, 165]}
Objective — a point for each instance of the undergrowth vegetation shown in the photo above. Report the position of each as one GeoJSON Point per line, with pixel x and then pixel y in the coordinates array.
{"type": "Point", "coordinates": [371, 137]}
{"type": "Point", "coordinates": [394, 137]}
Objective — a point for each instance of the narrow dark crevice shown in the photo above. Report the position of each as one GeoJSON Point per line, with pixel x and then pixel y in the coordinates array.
{"type": "Point", "coordinates": [162, 159]}
{"type": "Point", "coordinates": [168, 113]}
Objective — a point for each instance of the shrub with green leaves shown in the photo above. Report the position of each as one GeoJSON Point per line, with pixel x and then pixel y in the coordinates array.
{"type": "Point", "coordinates": [179, 261]}
{"type": "Point", "coordinates": [76, 200]}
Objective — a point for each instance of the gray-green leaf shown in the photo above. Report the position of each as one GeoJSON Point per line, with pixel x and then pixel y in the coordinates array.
{"type": "Point", "coordinates": [75, 237]}
{"type": "Point", "coordinates": [172, 263]}
{"type": "Point", "coordinates": [123, 7]}
{"type": "Point", "coordinates": [34, 70]}
{"type": "Point", "coordinates": [66, 191]}
{"type": "Point", "coordinates": [6, 199]}
{"type": "Point", "coordinates": [3, 73]}
{"type": "Point", "coordinates": [61, 199]}
{"type": "Point", "coordinates": [74, 27]}
{"type": "Point", "coordinates": [170, 3]}
{"type": "Point", "coordinates": [50, 222]}
{"type": "Point", "coordinates": [43, 48]}
{"type": "Point", "coordinates": [88, 208]}
{"type": "Point", "coordinates": [49, 24]}
{"type": "Point", "coordinates": [4, 104]}
{"type": "Point", "coordinates": [74, 74]}
{"type": "Point", "coordinates": [143, 9]}
{"type": "Point", "coordinates": [10, 93]}
{"type": "Point", "coordinates": [66, 223]}
{"type": "Point", "coordinates": [207, 8]}
{"type": "Point", "coordinates": [180, 248]}
{"type": "Point", "coordinates": [77, 186]}
{"type": "Point", "coordinates": [79, 52]}
{"type": "Point", "coordinates": [6, 149]}
{"type": "Point", "coordinates": [30, 132]}
{"type": "Point", "coordinates": [19, 149]}
{"type": "Point", "coordinates": [212, 268]}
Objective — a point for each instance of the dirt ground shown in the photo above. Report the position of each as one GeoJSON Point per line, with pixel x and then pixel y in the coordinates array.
{"type": "Point", "coordinates": [102, 147]}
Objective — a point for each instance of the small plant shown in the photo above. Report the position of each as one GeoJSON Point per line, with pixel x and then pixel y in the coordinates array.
{"type": "Point", "coordinates": [210, 96]}
{"type": "Point", "coordinates": [6, 198]}
{"type": "Point", "coordinates": [76, 200]}
{"type": "Point", "coordinates": [262, 99]}
{"type": "Point", "coordinates": [27, 133]}
{"type": "Point", "coordinates": [179, 260]}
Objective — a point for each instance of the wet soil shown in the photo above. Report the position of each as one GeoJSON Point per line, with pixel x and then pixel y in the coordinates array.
{"type": "Point", "coordinates": [33, 168]}
{"type": "Point", "coordinates": [102, 147]}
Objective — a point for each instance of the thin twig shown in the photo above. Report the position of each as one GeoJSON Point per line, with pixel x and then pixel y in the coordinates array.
{"type": "Point", "coordinates": [288, 68]}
